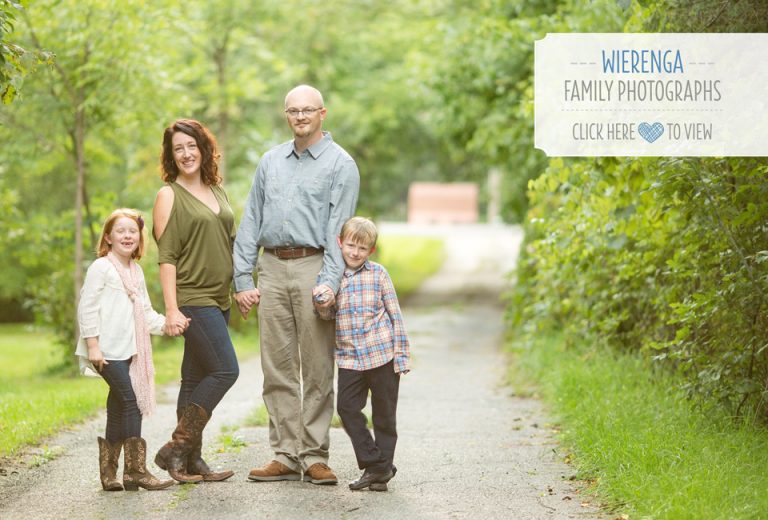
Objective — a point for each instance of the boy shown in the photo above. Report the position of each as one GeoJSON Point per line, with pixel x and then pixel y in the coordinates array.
{"type": "Point", "coordinates": [372, 351]}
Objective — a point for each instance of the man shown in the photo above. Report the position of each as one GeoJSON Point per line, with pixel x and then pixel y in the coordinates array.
{"type": "Point", "coordinates": [304, 190]}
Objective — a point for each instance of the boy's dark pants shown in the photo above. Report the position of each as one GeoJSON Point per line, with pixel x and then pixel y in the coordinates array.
{"type": "Point", "coordinates": [375, 455]}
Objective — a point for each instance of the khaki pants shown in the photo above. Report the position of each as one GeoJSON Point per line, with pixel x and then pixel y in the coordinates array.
{"type": "Point", "coordinates": [297, 360]}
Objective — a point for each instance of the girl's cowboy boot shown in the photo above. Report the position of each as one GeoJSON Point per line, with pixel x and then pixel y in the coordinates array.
{"type": "Point", "coordinates": [135, 474]}
{"type": "Point", "coordinates": [109, 457]}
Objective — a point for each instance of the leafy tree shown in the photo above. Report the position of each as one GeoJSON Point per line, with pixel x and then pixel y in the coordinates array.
{"type": "Point", "coordinates": [666, 257]}
{"type": "Point", "coordinates": [485, 81]}
{"type": "Point", "coordinates": [70, 133]}
{"type": "Point", "coordinates": [15, 61]}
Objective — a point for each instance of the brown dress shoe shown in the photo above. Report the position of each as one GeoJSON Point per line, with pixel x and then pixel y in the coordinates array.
{"type": "Point", "coordinates": [272, 472]}
{"type": "Point", "coordinates": [320, 473]}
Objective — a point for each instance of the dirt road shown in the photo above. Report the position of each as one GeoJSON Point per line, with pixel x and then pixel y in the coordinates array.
{"type": "Point", "coordinates": [467, 449]}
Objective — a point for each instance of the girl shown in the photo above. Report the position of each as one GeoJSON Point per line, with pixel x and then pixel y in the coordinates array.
{"type": "Point", "coordinates": [115, 318]}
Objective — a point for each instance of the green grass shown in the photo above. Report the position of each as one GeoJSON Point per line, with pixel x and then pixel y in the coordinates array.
{"type": "Point", "coordinates": [229, 442]}
{"type": "Point", "coordinates": [409, 259]}
{"type": "Point", "coordinates": [36, 401]}
{"type": "Point", "coordinates": [258, 417]}
{"type": "Point", "coordinates": [647, 452]}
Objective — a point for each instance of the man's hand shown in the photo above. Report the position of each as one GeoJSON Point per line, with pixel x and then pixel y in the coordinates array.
{"type": "Point", "coordinates": [247, 299]}
{"type": "Point", "coordinates": [323, 296]}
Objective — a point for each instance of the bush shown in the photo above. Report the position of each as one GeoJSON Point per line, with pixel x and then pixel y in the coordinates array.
{"type": "Point", "coordinates": [662, 256]}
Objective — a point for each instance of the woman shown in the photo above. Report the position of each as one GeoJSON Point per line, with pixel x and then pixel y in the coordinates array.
{"type": "Point", "coordinates": [195, 228]}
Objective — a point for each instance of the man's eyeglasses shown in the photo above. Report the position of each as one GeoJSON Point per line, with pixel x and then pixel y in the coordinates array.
{"type": "Point", "coordinates": [295, 112]}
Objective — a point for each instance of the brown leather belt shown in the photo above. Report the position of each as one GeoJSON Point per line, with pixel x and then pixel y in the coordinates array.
{"type": "Point", "coordinates": [291, 253]}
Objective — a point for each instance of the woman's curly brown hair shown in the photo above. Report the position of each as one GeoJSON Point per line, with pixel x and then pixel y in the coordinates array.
{"type": "Point", "coordinates": [209, 151]}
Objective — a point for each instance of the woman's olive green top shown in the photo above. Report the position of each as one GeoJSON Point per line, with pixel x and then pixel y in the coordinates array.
{"type": "Point", "coordinates": [199, 243]}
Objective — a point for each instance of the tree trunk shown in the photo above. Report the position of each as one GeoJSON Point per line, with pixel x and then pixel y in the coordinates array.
{"type": "Point", "coordinates": [220, 59]}
{"type": "Point", "coordinates": [78, 137]}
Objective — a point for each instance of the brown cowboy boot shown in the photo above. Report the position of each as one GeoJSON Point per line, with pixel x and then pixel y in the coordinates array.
{"type": "Point", "coordinates": [197, 466]}
{"type": "Point", "coordinates": [173, 456]}
{"type": "Point", "coordinates": [109, 459]}
{"type": "Point", "coordinates": [136, 474]}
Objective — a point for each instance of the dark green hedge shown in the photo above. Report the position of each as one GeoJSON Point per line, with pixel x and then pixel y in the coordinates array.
{"type": "Point", "coordinates": [664, 256]}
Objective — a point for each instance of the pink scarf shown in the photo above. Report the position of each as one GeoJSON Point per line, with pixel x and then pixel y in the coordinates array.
{"type": "Point", "coordinates": [142, 371]}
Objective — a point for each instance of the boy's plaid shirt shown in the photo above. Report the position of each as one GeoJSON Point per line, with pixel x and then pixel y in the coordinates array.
{"type": "Point", "coordinates": [369, 325]}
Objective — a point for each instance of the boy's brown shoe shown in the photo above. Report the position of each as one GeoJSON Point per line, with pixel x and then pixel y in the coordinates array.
{"type": "Point", "coordinates": [320, 473]}
{"type": "Point", "coordinates": [369, 478]}
{"type": "Point", "coordinates": [382, 486]}
{"type": "Point", "coordinates": [272, 472]}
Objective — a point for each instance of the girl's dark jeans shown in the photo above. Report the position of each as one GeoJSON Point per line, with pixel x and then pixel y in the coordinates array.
{"type": "Point", "coordinates": [209, 367]}
{"type": "Point", "coordinates": [123, 416]}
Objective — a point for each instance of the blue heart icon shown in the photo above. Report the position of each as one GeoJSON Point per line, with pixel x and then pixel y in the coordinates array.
{"type": "Point", "coordinates": [650, 132]}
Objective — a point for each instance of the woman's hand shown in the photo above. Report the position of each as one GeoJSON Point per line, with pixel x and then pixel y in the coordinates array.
{"type": "Point", "coordinates": [175, 323]}
{"type": "Point", "coordinates": [247, 299]}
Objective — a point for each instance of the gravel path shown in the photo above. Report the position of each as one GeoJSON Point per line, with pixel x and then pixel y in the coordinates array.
{"type": "Point", "coordinates": [467, 449]}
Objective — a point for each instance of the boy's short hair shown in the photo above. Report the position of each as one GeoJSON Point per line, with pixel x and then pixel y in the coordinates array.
{"type": "Point", "coordinates": [360, 230]}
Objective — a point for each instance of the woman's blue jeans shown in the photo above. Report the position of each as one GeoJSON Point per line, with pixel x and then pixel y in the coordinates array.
{"type": "Point", "coordinates": [209, 367]}
{"type": "Point", "coordinates": [123, 416]}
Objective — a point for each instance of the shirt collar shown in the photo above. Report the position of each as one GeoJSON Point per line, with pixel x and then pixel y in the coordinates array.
{"type": "Point", "coordinates": [366, 265]}
{"type": "Point", "coordinates": [315, 150]}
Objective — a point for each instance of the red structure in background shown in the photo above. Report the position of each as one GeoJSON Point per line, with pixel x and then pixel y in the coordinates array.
{"type": "Point", "coordinates": [442, 203]}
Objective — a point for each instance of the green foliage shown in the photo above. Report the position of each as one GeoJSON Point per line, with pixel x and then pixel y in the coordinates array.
{"type": "Point", "coordinates": [647, 452]}
{"type": "Point", "coordinates": [409, 260]}
{"type": "Point", "coordinates": [258, 417]}
{"type": "Point", "coordinates": [699, 16]}
{"type": "Point", "coordinates": [125, 71]}
{"type": "Point", "coordinates": [485, 82]}
{"type": "Point", "coordinates": [661, 256]}
{"type": "Point", "coordinates": [15, 61]}
{"type": "Point", "coordinates": [665, 257]}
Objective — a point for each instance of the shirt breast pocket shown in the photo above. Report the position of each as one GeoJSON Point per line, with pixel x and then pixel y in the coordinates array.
{"type": "Point", "coordinates": [315, 189]}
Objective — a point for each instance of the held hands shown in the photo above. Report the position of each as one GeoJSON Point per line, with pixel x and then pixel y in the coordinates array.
{"type": "Point", "coordinates": [323, 296]}
{"type": "Point", "coordinates": [247, 299]}
{"type": "Point", "coordinates": [175, 323]}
